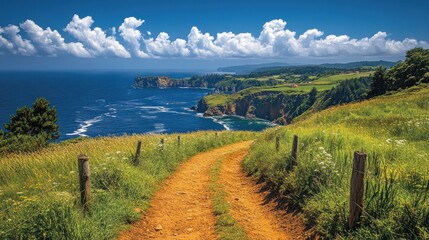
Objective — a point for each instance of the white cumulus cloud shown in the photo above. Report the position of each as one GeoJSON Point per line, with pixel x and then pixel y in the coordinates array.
{"type": "Point", "coordinates": [50, 42]}
{"type": "Point", "coordinates": [130, 34]}
{"type": "Point", "coordinates": [95, 40]}
{"type": "Point", "coordinates": [162, 46]}
{"type": "Point", "coordinates": [273, 41]}
{"type": "Point", "coordinates": [14, 42]}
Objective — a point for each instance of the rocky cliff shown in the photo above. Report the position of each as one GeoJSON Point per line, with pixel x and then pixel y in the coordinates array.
{"type": "Point", "coordinates": [276, 107]}
{"type": "Point", "coordinates": [162, 81]}
{"type": "Point", "coordinates": [158, 81]}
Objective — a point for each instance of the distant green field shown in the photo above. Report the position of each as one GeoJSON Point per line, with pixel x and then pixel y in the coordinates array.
{"type": "Point", "coordinates": [340, 77]}
{"type": "Point", "coordinates": [300, 88]}
{"type": "Point", "coordinates": [217, 99]}
{"type": "Point", "coordinates": [321, 84]}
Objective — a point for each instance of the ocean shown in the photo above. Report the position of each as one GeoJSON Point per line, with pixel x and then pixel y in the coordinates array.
{"type": "Point", "coordinates": [105, 103]}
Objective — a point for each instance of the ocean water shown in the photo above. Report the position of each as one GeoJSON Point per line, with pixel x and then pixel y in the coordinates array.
{"type": "Point", "coordinates": [105, 103]}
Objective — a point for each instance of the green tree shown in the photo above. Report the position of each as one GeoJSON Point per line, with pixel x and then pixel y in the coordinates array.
{"type": "Point", "coordinates": [40, 120]}
{"type": "Point", "coordinates": [411, 71]}
{"type": "Point", "coordinates": [379, 82]}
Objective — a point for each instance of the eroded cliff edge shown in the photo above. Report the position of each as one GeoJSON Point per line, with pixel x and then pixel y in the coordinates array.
{"type": "Point", "coordinates": [275, 107]}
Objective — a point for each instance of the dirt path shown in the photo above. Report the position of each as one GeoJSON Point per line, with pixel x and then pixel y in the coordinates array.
{"type": "Point", "coordinates": [182, 207]}
{"type": "Point", "coordinates": [259, 218]}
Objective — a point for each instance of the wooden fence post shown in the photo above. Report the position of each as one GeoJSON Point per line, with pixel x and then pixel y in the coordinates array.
{"type": "Point", "coordinates": [295, 150]}
{"type": "Point", "coordinates": [277, 143]}
{"type": "Point", "coordinates": [357, 188]}
{"type": "Point", "coordinates": [84, 182]}
{"type": "Point", "coordinates": [162, 143]}
{"type": "Point", "coordinates": [138, 151]}
{"type": "Point", "coordinates": [178, 140]}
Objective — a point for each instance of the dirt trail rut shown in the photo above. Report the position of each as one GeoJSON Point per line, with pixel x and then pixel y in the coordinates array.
{"type": "Point", "coordinates": [182, 209]}
{"type": "Point", "coordinates": [259, 218]}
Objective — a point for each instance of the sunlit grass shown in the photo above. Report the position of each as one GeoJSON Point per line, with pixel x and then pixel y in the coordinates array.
{"type": "Point", "coordinates": [39, 191]}
{"type": "Point", "coordinates": [334, 79]}
{"type": "Point", "coordinates": [392, 130]}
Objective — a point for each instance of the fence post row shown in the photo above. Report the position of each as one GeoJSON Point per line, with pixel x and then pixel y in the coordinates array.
{"type": "Point", "coordinates": [84, 182]}
{"type": "Point", "coordinates": [357, 188]}
{"type": "Point", "coordinates": [138, 151]}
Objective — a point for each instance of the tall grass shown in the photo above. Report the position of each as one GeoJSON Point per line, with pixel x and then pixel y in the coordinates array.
{"type": "Point", "coordinates": [39, 196]}
{"type": "Point", "coordinates": [393, 130]}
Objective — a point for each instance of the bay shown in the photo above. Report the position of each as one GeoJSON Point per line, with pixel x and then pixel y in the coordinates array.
{"type": "Point", "coordinates": [105, 103]}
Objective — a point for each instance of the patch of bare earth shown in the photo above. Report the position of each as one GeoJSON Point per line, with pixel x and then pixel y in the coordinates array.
{"type": "Point", "coordinates": [181, 209]}
{"type": "Point", "coordinates": [260, 218]}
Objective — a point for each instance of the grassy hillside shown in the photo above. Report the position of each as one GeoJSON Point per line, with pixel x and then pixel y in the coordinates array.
{"type": "Point", "coordinates": [393, 130]}
{"type": "Point", "coordinates": [39, 196]}
{"type": "Point", "coordinates": [321, 84]}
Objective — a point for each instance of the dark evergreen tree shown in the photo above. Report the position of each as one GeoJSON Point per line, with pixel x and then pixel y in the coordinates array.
{"type": "Point", "coordinates": [379, 83]}
{"type": "Point", "coordinates": [312, 96]}
{"type": "Point", "coordinates": [41, 119]}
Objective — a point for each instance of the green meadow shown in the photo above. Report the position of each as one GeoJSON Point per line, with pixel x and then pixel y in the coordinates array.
{"type": "Point", "coordinates": [39, 192]}
{"type": "Point", "coordinates": [394, 132]}
{"type": "Point", "coordinates": [322, 84]}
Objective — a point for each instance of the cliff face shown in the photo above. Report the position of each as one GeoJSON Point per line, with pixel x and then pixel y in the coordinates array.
{"type": "Point", "coordinates": [278, 108]}
{"type": "Point", "coordinates": [162, 81]}
{"type": "Point", "coordinates": [147, 82]}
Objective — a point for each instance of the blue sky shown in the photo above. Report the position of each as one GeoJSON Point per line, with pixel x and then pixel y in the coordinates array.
{"type": "Point", "coordinates": [204, 35]}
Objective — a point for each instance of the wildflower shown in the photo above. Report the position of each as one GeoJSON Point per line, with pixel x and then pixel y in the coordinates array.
{"type": "Point", "coordinates": [389, 141]}
{"type": "Point", "coordinates": [72, 172]}
{"type": "Point", "coordinates": [118, 152]}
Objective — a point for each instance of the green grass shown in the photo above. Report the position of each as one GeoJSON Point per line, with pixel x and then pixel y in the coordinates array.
{"type": "Point", "coordinates": [304, 88]}
{"type": "Point", "coordinates": [226, 226]}
{"type": "Point", "coordinates": [321, 84]}
{"type": "Point", "coordinates": [394, 132]}
{"type": "Point", "coordinates": [217, 99]}
{"type": "Point", "coordinates": [334, 79]}
{"type": "Point", "coordinates": [39, 196]}
{"type": "Point", "coordinates": [224, 99]}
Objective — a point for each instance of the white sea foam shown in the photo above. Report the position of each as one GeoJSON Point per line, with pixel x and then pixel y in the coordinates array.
{"type": "Point", "coordinates": [148, 117]}
{"type": "Point", "coordinates": [83, 127]}
{"type": "Point", "coordinates": [224, 124]}
{"type": "Point", "coordinates": [159, 128]}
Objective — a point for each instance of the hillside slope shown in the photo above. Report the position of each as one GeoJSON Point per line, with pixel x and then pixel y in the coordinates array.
{"type": "Point", "coordinates": [393, 130]}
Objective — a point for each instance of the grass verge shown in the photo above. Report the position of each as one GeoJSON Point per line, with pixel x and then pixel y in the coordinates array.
{"type": "Point", "coordinates": [394, 132]}
{"type": "Point", "coordinates": [226, 226]}
{"type": "Point", "coordinates": [39, 196]}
